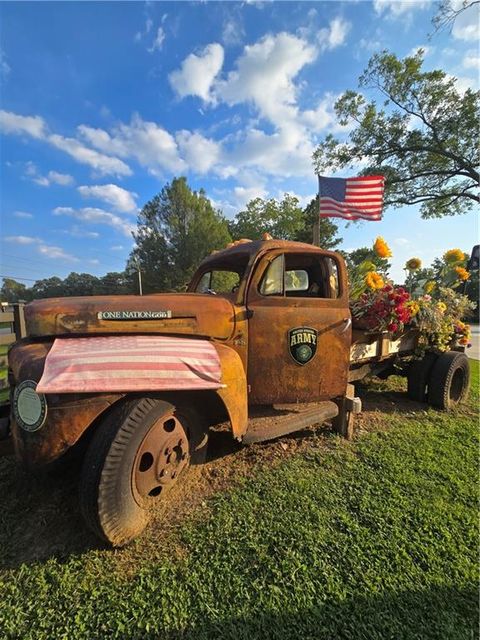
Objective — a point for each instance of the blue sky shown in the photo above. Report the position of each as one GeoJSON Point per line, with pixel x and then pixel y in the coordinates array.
{"type": "Point", "coordinates": [103, 103]}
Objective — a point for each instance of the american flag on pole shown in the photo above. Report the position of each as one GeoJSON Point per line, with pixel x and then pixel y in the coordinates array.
{"type": "Point", "coordinates": [130, 363]}
{"type": "Point", "coordinates": [351, 198]}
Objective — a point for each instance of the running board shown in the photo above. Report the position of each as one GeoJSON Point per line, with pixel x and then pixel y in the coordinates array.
{"type": "Point", "coordinates": [273, 422]}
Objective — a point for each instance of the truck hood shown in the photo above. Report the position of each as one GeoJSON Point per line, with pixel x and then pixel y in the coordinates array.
{"type": "Point", "coordinates": [170, 313]}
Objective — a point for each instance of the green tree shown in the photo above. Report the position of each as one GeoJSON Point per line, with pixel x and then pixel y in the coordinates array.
{"type": "Point", "coordinates": [328, 229]}
{"type": "Point", "coordinates": [175, 231]}
{"type": "Point", "coordinates": [282, 219]}
{"type": "Point", "coordinates": [113, 283]}
{"type": "Point", "coordinates": [48, 288]}
{"type": "Point", "coordinates": [423, 136]}
{"type": "Point", "coordinates": [13, 291]}
{"type": "Point", "coordinates": [80, 284]}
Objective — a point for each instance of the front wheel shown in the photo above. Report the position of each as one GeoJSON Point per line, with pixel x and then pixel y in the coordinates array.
{"type": "Point", "coordinates": [134, 458]}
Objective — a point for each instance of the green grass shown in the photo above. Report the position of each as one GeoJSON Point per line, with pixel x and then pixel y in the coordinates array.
{"type": "Point", "coordinates": [375, 539]}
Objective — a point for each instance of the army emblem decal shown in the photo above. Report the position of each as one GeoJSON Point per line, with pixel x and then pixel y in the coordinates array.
{"type": "Point", "coordinates": [302, 344]}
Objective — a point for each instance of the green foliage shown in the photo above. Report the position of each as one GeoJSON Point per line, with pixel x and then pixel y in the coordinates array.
{"type": "Point", "coordinates": [176, 230]}
{"type": "Point", "coordinates": [285, 220]}
{"type": "Point", "coordinates": [423, 136]}
{"type": "Point", "coordinates": [13, 291]}
{"type": "Point", "coordinates": [281, 219]}
{"type": "Point", "coordinates": [368, 540]}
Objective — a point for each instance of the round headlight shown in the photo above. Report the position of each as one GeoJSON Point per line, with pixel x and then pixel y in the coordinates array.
{"type": "Point", "coordinates": [29, 407]}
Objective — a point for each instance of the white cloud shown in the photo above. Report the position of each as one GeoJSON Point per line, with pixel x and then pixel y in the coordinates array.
{"type": "Point", "coordinates": [63, 179]}
{"type": "Point", "coordinates": [94, 261]}
{"type": "Point", "coordinates": [22, 239]}
{"type": "Point", "coordinates": [232, 32]}
{"type": "Point", "coordinates": [200, 153]}
{"type": "Point", "coordinates": [12, 123]}
{"type": "Point", "coordinates": [22, 214]}
{"type": "Point", "coordinates": [334, 35]}
{"type": "Point", "coordinates": [120, 199]}
{"type": "Point", "coordinates": [467, 24]}
{"type": "Point", "coordinates": [471, 60]}
{"type": "Point", "coordinates": [397, 8]}
{"type": "Point", "coordinates": [158, 42]}
{"type": "Point", "coordinates": [105, 165]}
{"type": "Point", "coordinates": [117, 247]}
{"type": "Point", "coordinates": [264, 76]}
{"type": "Point", "coordinates": [97, 216]}
{"type": "Point", "coordinates": [53, 177]}
{"type": "Point", "coordinates": [78, 232]}
{"type": "Point", "coordinates": [35, 127]}
{"type": "Point", "coordinates": [427, 50]}
{"type": "Point", "coordinates": [197, 73]}
{"type": "Point", "coordinates": [42, 248]}
{"type": "Point", "coordinates": [152, 145]}
{"type": "Point", "coordinates": [56, 253]}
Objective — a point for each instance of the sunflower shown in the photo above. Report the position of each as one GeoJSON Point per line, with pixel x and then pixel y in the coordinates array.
{"type": "Point", "coordinates": [413, 264]}
{"type": "Point", "coordinates": [462, 273]}
{"type": "Point", "coordinates": [381, 248]}
{"type": "Point", "coordinates": [453, 255]}
{"type": "Point", "coordinates": [429, 286]}
{"type": "Point", "coordinates": [413, 307]}
{"type": "Point", "coordinates": [442, 307]}
{"type": "Point", "coordinates": [374, 280]}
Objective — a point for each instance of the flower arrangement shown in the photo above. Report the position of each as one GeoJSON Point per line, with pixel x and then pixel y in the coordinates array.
{"type": "Point", "coordinates": [435, 308]}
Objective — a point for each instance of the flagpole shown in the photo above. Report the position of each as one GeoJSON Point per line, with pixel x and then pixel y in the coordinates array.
{"type": "Point", "coordinates": [316, 227]}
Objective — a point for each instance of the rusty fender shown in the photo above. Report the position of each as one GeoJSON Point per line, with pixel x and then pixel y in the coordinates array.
{"type": "Point", "coordinates": [68, 415]}
{"type": "Point", "coordinates": [234, 394]}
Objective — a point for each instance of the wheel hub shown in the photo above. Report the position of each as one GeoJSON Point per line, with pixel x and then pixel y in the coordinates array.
{"type": "Point", "coordinates": [161, 458]}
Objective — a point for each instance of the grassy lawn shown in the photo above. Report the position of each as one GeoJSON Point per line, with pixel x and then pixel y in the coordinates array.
{"type": "Point", "coordinates": [319, 538]}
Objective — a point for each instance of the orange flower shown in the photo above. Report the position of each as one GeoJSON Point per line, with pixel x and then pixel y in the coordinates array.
{"type": "Point", "coordinates": [453, 255]}
{"type": "Point", "coordinates": [374, 280]}
{"type": "Point", "coordinates": [381, 248]}
{"type": "Point", "coordinates": [462, 273]}
{"type": "Point", "coordinates": [413, 264]}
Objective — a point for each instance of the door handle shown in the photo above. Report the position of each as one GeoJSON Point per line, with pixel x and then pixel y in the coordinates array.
{"type": "Point", "coordinates": [348, 324]}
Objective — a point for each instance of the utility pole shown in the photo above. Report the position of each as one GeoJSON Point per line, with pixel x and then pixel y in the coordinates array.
{"type": "Point", "coordinates": [139, 278]}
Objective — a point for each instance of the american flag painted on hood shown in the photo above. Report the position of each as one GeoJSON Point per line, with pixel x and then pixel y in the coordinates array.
{"type": "Point", "coordinates": [130, 363]}
{"type": "Point", "coordinates": [351, 198]}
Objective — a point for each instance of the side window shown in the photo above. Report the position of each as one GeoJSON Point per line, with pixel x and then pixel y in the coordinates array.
{"type": "Point", "coordinates": [311, 276]}
{"type": "Point", "coordinates": [272, 281]}
{"type": "Point", "coordinates": [204, 285]}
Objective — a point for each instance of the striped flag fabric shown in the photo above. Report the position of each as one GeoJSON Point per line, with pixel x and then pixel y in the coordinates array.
{"type": "Point", "coordinates": [130, 363]}
{"type": "Point", "coordinates": [351, 198]}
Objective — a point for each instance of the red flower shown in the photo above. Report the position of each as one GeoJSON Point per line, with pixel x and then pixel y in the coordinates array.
{"type": "Point", "coordinates": [393, 327]}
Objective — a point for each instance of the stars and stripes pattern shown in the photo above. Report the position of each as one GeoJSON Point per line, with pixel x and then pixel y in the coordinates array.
{"type": "Point", "coordinates": [351, 198]}
{"type": "Point", "coordinates": [130, 363]}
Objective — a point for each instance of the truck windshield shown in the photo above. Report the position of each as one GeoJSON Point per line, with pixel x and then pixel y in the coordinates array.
{"type": "Point", "coordinates": [223, 278]}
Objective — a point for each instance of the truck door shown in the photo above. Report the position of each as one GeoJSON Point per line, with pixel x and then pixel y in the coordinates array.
{"type": "Point", "coordinates": [299, 328]}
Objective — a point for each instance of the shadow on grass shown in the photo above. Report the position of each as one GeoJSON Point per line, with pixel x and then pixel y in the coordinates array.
{"type": "Point", "coordinates": [439, 613]}
{"type": "Point", "coordinates": [40, 517]}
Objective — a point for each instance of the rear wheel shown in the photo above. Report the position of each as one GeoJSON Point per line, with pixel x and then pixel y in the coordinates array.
{"type": "Point", "coordinates": [418, 377]}
{"type": "Point", "coordinates": [134, 458]}
{"type": "Point", "coordinates": [449, 380]}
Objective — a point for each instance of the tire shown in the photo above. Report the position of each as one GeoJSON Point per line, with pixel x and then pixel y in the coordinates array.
{"type": "Point", "coordinates": [418, 377]}
{"type": "Point", "coordinates": [449, 380]}
{"type": "Point", "coordinates": [126, 468]}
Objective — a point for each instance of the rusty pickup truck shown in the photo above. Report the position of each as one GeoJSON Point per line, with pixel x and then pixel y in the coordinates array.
{"type": "Point", "coordinates": [262, 339]}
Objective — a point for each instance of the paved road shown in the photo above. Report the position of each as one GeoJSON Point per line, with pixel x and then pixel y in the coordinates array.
{"type": "Point", "coordinates": [474, 351]}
